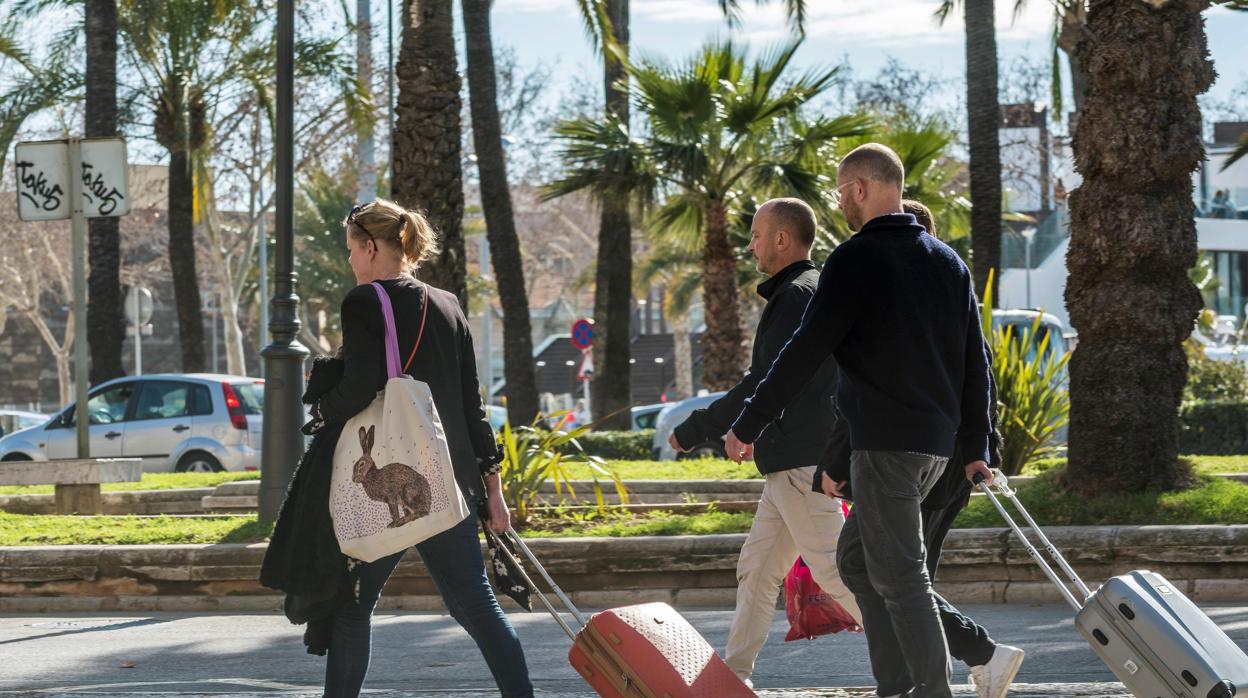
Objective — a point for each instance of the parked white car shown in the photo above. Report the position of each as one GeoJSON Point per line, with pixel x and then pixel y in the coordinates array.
{"type": "Point", "coordinates": [173, 422]}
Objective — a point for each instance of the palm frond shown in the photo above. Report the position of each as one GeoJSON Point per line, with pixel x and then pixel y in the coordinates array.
{"type": "Point", "coordinates": [1241, 150]}
{"type": "Point", "coordinates": [944, 11]}
{"type": "Point", "coordinates": [601, 158]}
{"type": "Point", "coordinates": [12, 49]}
{"type": "Point", "coordinates": [42, 90]}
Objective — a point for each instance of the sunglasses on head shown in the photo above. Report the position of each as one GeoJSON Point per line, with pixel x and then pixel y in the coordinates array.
{"type": "Point", "coordinates": [356, 209]}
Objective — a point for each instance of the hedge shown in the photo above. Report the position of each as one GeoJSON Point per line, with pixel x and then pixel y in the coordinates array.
{"type": "Point", "coordinates": [619, 445]}
{"type": "Point", "coordinates": [1214, 428]}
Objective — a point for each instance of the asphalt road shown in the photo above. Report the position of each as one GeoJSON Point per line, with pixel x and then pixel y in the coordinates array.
{"type": "Point", "coordinates": [427, 654]}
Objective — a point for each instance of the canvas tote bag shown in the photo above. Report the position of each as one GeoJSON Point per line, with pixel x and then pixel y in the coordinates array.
{"type": "Point", "coordinates": [393, 483]}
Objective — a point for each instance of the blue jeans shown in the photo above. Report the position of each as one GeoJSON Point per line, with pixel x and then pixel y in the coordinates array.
{"type": "Point", "coordinates": [454, 561]}
{"type": "Point", "coordinates": [882, 560]}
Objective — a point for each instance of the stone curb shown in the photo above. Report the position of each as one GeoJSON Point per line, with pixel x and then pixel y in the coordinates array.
{"type": "Point", "coordinates": [978, 566]}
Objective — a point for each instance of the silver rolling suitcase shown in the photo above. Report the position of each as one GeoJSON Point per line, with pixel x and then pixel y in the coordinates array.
{"type": "Point", "coordinates": [1154, 639]}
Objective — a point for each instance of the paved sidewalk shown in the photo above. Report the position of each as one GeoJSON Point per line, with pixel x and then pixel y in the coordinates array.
{"type": "Point", "coordinates": [427, 654]}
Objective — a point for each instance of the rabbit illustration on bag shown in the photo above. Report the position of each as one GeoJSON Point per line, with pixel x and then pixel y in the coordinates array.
{"type": "Point", "coordinates": [399, 486]}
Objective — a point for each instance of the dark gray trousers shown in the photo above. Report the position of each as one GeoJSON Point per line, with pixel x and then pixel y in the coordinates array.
{"type": "Point", "coordinates": [883, 562]}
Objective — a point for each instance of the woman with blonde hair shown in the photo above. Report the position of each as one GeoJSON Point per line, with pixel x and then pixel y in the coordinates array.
{"type": "Point", "coordinates": [386, 243]}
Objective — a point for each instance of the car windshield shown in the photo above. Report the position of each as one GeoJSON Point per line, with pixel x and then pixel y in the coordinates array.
{"type": "Point", "coordinates": [252, 397]}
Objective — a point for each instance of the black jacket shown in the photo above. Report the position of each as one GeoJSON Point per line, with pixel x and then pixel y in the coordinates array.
{"type": "Point", "coordinates": [953, 489]}
{"type": "Point", "coordinates": [897, 309]}
{"type": "Point", "coordinates": [445, 361]}
{"type": "Point", "coordinates": [797, 438]}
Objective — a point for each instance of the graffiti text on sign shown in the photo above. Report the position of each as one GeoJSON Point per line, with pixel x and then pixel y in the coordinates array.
{"type": "Point", "coordinates": [34, 186]}
{"type": "Point", "coordinates": [95, 188]}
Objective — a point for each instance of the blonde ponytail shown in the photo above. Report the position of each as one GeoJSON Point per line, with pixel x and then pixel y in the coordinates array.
{"type": "Point", "coordinates": [419, 240]}
{"type": "Point", "coordinates": [384, 221]}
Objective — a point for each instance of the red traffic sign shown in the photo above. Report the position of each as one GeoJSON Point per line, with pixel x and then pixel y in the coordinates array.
{"type": "Point", "coordinates": [583, 333]}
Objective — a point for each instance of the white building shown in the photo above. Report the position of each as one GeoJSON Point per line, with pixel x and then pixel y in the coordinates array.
{"type": "Point", "coordinates": [1224, 239]}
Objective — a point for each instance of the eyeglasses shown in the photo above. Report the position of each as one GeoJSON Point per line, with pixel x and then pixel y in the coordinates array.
{"type": "Point", "coordinates": [836, 193]}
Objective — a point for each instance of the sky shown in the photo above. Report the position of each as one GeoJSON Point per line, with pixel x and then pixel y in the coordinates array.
{"type": "Point", "coordinates": [866, 32]}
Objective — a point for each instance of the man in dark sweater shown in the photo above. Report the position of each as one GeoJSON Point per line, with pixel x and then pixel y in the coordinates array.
{"type": "Point", "coordinates": [791, 519]}
{"type": "Point", "coordinates": [897, 309]}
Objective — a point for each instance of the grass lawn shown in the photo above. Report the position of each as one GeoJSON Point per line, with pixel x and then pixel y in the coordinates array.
{"type": "Point", "coordinates": [698, 469]}
{"type": "Point", "coordinates": [165, 530]}
{"type": "Point", "coordinates": [1202, 464]}
{"type": "Point", "coordinates": [150, 481]}
{"type": "Point", "coordinates": [1211, 502]}
{"type": "Point", "coordinates": [16, 529]}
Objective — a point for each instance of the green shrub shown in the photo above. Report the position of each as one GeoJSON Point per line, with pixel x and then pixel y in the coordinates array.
{"type": "Point", "coordinates": [1215, 381]}
{"type": "Point", "coordinates": [1213, 428]}
{"type": "Point", "coordinates": [619, 445]}
{"type": "Point", "coordinates": [534, 454]}
{"type": "Point", "coordinates": [1034, 405]}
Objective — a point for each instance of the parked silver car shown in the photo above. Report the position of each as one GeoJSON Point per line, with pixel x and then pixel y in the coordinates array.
{"type": "Point", "coordinates": [16, 420]}
{"type": "Point", "coordinates": [174, 422]}
{"type": "Point", "coordinates": [671, 417]}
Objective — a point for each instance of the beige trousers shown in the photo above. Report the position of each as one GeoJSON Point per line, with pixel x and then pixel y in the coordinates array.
{"type": "Point", "coordinates": [791, 520]}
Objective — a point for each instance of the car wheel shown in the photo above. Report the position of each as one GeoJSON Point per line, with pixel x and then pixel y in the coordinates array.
{"type": "Point", "coordinates": [16, 457]}
{"type": "Point", "coordinates": [198, 462]}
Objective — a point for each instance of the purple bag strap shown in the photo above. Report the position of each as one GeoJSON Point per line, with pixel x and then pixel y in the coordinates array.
{"type": "Point", "coordinates": [393, 369]}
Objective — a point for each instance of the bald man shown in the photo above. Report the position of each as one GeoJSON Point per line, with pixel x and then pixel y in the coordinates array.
{"type": "Point", "coordinates": [790, 519]}
{"type": "Point", "coordinates": [897, 308]}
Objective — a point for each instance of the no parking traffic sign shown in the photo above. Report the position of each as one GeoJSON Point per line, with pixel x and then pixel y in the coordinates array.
{"type": "Point", "coordinates": [583, 333]}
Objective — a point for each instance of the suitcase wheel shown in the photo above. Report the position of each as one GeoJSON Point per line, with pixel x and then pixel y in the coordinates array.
{"type": "Point", "coordinates": [1226, 689]}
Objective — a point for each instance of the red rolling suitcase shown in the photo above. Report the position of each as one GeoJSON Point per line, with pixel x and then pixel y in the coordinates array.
{"type": "Point", "coordinates": [646, 650]}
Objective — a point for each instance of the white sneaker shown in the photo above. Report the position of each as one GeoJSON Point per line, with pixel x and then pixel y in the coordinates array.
{"type": "Point", "coordinates": [992, 680]}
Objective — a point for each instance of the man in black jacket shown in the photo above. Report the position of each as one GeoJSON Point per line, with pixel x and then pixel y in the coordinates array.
{"type": "Point", "coordinates": [791, 519]}
{"type": "Point", "coordinates": [897, 308]}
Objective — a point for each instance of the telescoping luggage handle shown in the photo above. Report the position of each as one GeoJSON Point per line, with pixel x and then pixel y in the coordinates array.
{"type": "Point", "coordinates": [1003, 485]}
{"type": "Point", "coordinates": [576, 613]}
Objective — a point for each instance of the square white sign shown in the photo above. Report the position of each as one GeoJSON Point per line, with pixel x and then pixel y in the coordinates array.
{"type": "Point", "coordinates": [43, 187]}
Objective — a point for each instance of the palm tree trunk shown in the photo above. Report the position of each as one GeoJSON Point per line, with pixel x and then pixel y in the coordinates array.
{"type": "Point", "coordinates": [427, 168]}
{"type": "Point", "coordinates": [983, 121]}
{"type": "Point", "coordinates": [613, 283]}
{"type": "Point", "coordinates": [500, 222]}
{"type": "Point", "coordinates": [106, 328]}
{"type": "Point", "coordinates": [182, 260]}
{"type": "Point", "coordinates": [682, 347]}
{"type": "Point", "coordinates": [1133, 238]}
{"type": "Point", "coordinates": [723, 353]}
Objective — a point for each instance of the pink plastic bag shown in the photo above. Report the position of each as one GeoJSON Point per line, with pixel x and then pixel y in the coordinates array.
{"type": "Point", "coordinates": [810, 610]}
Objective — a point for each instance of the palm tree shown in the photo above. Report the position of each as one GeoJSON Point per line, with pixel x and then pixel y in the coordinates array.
{"type": "Point", "coordinates": [1129, 293]}
{"type": "Point", "coordinates": [427, 172]}
{"type": "Point", "coordinates": [500, 222]}
{"type": "Point", "coordinates": [105, 326]}
{"type": "Point", "coordinates": [720, 131]}
{"type": "Point", "coordinates": [982, 125]}
{"type": "Point", "coordinates": [613, 273]}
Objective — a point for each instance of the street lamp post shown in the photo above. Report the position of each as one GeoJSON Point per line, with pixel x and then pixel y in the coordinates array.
{"type": "Point", "coordinates": [1029, 235]}
{"type": "Point", "coordinates": [284, 357]}
{"type": "Point", "coordinates": [662, 376]}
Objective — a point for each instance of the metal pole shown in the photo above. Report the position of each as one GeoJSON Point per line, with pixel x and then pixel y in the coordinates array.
{"type": "Point", "coordinates": [284, 357]}
{"type": "Point", "coordinates": [138, 337]}
{"type": "Point", "coordinates": [264, 285]}
{"type": "Point", "coordinates": [1027, 264]}
{"type": "Point", "coordinates": [78, 223]}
